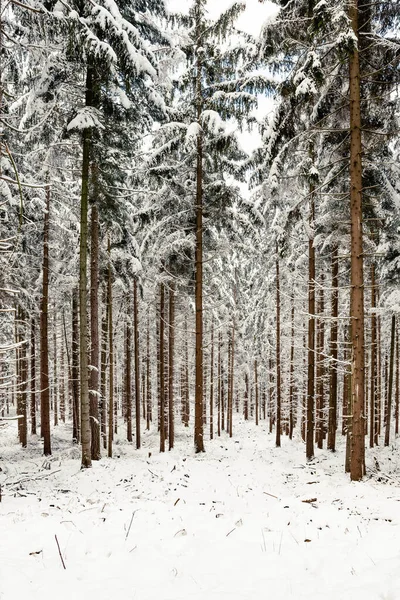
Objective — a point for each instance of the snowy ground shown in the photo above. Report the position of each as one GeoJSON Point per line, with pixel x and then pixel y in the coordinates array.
{"type": "Point", "coordinates": [244, 521]}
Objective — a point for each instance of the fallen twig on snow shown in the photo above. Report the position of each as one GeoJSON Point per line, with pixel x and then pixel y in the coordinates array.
{"type": "Point", "coordinates": [32, 478]}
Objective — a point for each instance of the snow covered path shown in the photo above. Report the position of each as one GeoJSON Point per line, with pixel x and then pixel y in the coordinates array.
{"type": "Point", "coordinates": [244, 521]}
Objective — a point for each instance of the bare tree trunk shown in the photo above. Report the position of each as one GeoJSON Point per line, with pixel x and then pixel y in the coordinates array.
{"type": "Point", "coordinates": [22, 358]}
{"type": "Point", "coordinates": [311, 338]}
{"type": "Point", "coordinates": [333, 387]}
{"type": "Point", "coordinates": [94, 336]}
{"type": "Point", "coordinates": [212, 383]}
{"type": "Point", "coordinates": [171, 334]}
{"type": "Point", "coordinates": [128, 375]}
{"type": "Point", "coordinates": [110, 357]}
{"type": "Point", "coordinates": [44, 336]}
{"type": "Point", "coordinates": [357, 459]}
{"type": "Point", "coordinates": [198, 419]}
{"type": "Point", "coordinates": [291, 383]}
{"type": "Point", "coordinates": [270, 393]}
{"type": "Point", "coordinates": [75, 367]}
{"type": "Point", "coordinates": [137, 374]}
{"type": "Point", "coordinates": [372, 415]}
{"type": "Point", "coordinates": [390, 384]}
{"type": "Point", "coordinates": [62, 382]}
{"type": "Point", "coordinates": [187, 391]}
{"type": "Point", "coordinates": [319, 434]}
{"type": "Point", "coordinates": [397, 393]}
{"type": "Point", "coordinates": [257, 408]}
{"type": "Point", "coordinates": [246, 396]}
{"type": "Point", "coordinates": [55, 373]}
{"type": "Point", "coordinates": [278, 353]}
{"type": "Point", "coordinates": [148, 378]}
{"type": "Point", "coordinates": [33, 377]}
{"type": "Point", "coordinates": [219, 382]}
{"type": "Point", "coordinates": [232, 379]}
{"type": "Point", "coordinates": [162, 383]}
{"type": "Point", "coordinates": [103, 376]}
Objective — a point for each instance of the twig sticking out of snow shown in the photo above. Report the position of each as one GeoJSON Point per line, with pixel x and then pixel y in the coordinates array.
{"type": "Point", "coordinates": [59, 552]}
{"type": "Point", "coordinates": [130, 524]}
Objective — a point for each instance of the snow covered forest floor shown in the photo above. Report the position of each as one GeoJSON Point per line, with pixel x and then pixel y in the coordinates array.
{"type": "Point", "coordinates": [243, 521]}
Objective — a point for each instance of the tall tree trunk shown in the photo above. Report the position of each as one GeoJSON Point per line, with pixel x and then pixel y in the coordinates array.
{"type": "Point", "coordinates": [333, 383]}
{"type": "Point", "coordinates": [232, 379]}
{"type": "Point", "coordinates": [148, 378]}
{"type": "Point", "coordinates": [128, 376]}
{"type": "Point", "coordinates": [22, 381]}
{"type": "Point", "coordinates": [390, 384]}
{"type": "Point", "coordinates": [75, 366]}
{"type": "Point", "coordinates": [198, 406]}
{"type": "Point", "coordinates": [83, 318]}
{"type": "Point", "coordinates": [257, 407]}
{"type": "Point", "coordinates": [62, 381]}
{"type": "Point", "coordinates": [94, 336]}
{"type": "Point", "coordinates": [110, 357]}
{"type": "Point", "coordinates": [397, 392]}
{"type": "Point", "coordinates": [270, 392]}
{"type": "Point", "coordinates": [187, 401]}
{"type": "Point", "coordinates": [212, 383]}
{"type": "Point", "coordinates": [219, 383]}
{"type": "Point", "coordinates": [56, 385]}
{"type": "Point", "coordinates": [171, 334]}
{"type": "Point", "coordinates": [161, 367]}
{"type": "Point", "coordinates": [319, 433]}
{"type": "Point", "coordinates": [137, 374]}
{"type": "Point", "coordinates": [372, 415]}
{"type": "Point", "coordinates": [278, 353]}
{"type": "Point", "coordinates": [357, 460]}
{"type": "Point", "coordinates": [291, 382]}
{"type": "Point", "coordinates": [311, 337]}
{"type": "Point", "coordinates": [103, 375]}
{"type": "Point", "coordinates": [44, 336]}
{"type": "Point", "coordinates": [33, 377]}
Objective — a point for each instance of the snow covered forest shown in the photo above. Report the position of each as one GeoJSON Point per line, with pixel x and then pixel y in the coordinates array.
{"type": "Point", "coordinates": [199, 299]}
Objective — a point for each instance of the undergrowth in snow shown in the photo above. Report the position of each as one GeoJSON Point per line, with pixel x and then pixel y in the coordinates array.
{"type": "Point", "coordinates": [243, 521]}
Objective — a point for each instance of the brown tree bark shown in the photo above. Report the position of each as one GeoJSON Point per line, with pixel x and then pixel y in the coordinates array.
{"type": "Point", "coordinates": [278, 353]}
{"type": "Point", "coordinates": [171, 335]}
{"type": "Point", "coordinates": [219, 383]}
{"type": "Point", "coordinates": [103, 375]}
{"type": "Point", "coordinates": [310, 408]}
{"type": "Point", "coordinates": [94, 392]}
{"type": "Point", "coordinates": [149, 409]}
{"type": "Point", "coordinates": [128, 376]}
{"type": "Point", "coordinates": [231, 381]}
{"type": "Point", "coordinates": [75, 367]}
{"type": "Point", "coordinates": [56, 384]}
{"type": "Point", "coordinates": [390, 383]}
{"type": "Point", "coordinates": [212, 383]}
{"type": "Point", "coordinates": [83, 318]}
{"type": "Point", "coordinates": [198, 406]}
{"type": "Point", "coordinates": [137, 374]}
{"type": "Point", "coordinates": [257, 407]}
{"type": "Point", "coordinates": [319, 432]}
{"type": "Point", "coordinates": [291, 382]}
{"type": "Point", "coordinates": [44, 336]}
{"type": "Point", "coordinates": [397, 392]}
{"type": "Point", "coordinates": [33, 377]}
{"type": "Point", "coordinates": [333, 380]}
{"type": "Point", "coordinates": [161, 367]}
{"type": "Point", "coordinates": [373, 374]}
{"type": "Point", "coordinates": [357, 459]}
{"type": "Point", "coordinates": [110, 357]}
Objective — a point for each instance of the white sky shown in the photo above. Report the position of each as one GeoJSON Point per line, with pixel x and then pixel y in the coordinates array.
{"type": "Point", "coordinates": [250, 21]}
